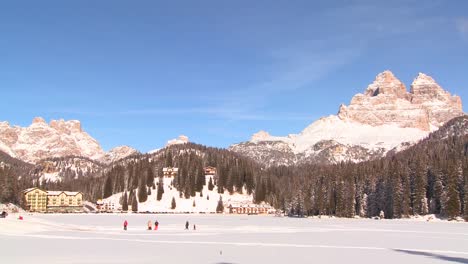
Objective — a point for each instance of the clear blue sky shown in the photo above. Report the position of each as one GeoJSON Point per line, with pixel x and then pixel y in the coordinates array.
{"type": "Point", "coordinates": [141, 72]}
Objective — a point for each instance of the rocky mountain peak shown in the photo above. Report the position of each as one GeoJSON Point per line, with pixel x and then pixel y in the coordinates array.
{"type": "Point", "coordinates": [386, 83]}
{"type": "Point", "coordinates": [386, 102]}
{"type": "Point", "coordinates": [71, 126]}
{"type": "Point", "coordinates": [180, 140]}
{"type": "Point", "coordinates": [384, 117]}
{"type": "Point", "coordinates": [425, 84]}
{"type": "Point", "coordinates": [38, 120]}
{"type": "Point", "coordinates": [260, 136]}
{"type": "Point", "coordinates": [40, 140]}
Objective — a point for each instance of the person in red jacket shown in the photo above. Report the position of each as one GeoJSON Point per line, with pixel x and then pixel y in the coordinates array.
{"type": "Point", "coordinates": [125, 224]}
{"type": "Point", "coordinates": [156, 224]}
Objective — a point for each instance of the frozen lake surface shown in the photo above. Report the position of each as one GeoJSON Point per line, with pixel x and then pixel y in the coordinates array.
{"type": "Point", "coordinates": [228, 239]}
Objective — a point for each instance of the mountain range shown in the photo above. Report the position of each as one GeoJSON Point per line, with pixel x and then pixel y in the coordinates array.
{"type": "Point", "coordinates": [385, 117]}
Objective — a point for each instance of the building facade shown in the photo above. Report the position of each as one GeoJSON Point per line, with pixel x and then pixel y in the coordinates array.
{"type": "Point", "coordinates": [210, 170]}
{"type": "Point", "coordinates": [37, 200]}
{"type": "Point", "coordinates": [249, 208]}
{"type": "Point", "coordinates": [62, 201]}
{"type": "Point", "coordinates": [170, 171]}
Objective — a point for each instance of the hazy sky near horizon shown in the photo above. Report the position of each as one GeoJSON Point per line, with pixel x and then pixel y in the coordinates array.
{"type": "Point", "coordinates": [140, 73]}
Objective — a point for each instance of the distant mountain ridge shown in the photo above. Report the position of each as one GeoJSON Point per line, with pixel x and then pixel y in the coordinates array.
{"type": "Point", "coordinates": [386, 117]}
{"type": "Point", "coordinates": [59, 138]}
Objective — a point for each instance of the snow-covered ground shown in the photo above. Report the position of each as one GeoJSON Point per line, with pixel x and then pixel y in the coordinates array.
{"type": "Point", "coordinates": [206, 202]}
{"type": "Point", "coordinates": [228, 239]}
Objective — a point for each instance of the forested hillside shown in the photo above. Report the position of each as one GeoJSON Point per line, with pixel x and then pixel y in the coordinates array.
{"type": "Point", "coordinates": [428, 178]}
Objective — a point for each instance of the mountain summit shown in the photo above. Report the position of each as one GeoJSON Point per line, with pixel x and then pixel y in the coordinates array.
{"type": "Point", "coordinates": [384, 117]}
{"type": "Point", "coordinates": [386, 102]}
{"type": "Point", "coordinates": [59, 138]}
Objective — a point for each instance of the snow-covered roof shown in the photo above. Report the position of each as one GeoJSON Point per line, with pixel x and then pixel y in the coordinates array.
{"type": "Point", "coordinates": [59, 192]}
{"type": "Point", "coordinates": [31, 189]}
{"type": "Point", "coordinates": [169, 169]}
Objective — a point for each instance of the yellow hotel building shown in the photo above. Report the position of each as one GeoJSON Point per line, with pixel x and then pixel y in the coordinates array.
{"type": "Point", "coordinates": [37, 200]}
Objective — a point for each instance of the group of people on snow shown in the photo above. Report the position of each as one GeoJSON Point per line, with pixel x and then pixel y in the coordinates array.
{"type": "Point", "coordinates": [156, 225]}
{"type": "Point", "coordinates": [150, 225]}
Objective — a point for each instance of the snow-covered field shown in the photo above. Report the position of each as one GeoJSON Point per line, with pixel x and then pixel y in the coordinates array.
{"type": "Point", "coordinates": [228, 239]}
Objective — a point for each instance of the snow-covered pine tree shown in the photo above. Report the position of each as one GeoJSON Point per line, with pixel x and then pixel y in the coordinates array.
{"type": "Point", "coordinates": [173, 203]}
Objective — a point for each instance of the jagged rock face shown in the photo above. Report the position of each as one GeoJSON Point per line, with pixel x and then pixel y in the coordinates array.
{"type": "Point", "coordinates": [267, 152]}
{"type": "Point", "coordinates": [386, 117]}
{"type": "Point", "coordinates": [118, 153]}
{"type": "Point", "coordinates": [427, 106]}
{"type": "Point", "coordinates": [40, 140]}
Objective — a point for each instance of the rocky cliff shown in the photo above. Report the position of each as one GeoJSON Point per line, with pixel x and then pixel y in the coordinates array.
{"type": "Point", "coordinates": [59, 138]}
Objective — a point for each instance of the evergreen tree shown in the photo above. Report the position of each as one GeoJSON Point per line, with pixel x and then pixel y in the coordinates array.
{"type": "Point", "coordinates": [108, 187]}
{"type": "Point", "coordinates": [173, 203]}
{"type": "Point", "coordinates": [220, 206]}
{"type": "Point", "coordinates": [465, 208]}
{"type": "Point", "coordinates": [160, 190]}
{"type": "Point", "coordinates": [142, 192]}
{"type": "Point", "coordinates": [134, 203]}
{"type": "Point", "coordinates": [125, 202]}
{"type": "Point", "coordinates": [452, 204]}
{"type": "Point", "coordinates": [149, 177]}
{"type": "Point", "coordinates": [210, 184]}
{"type": "Point", "coordinates": [420, 199]}
{"type": "Point", "coordinates": [193, 204]}
{"type": "Point", "coordinates": [438, 193]}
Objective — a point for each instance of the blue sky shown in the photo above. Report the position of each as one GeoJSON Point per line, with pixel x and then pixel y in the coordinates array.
{"type": "Point", "coordinates": [141, 72]}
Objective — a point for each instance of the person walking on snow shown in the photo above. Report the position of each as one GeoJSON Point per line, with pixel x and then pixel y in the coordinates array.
{"type": "Point", "coordinates": [125, 224]}
{"type": "Point", "coordinates": [156, 224]}
{"type": "Point", "coordinates": [150, 225]}
{"type": "Point", "coordinates": [186, 225]}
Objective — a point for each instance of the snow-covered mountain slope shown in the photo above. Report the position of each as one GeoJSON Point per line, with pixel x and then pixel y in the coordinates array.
{"type": "Point", "coordinates": [59, 169]}
{"type": "Point", "coordinates": [206, 202]}
{"type": "Point", "coordinates": [385, 117]}
{"type": "Point", "coordinates": [59, 138]}
{"type": "Point", "coordinates": [118, 153]}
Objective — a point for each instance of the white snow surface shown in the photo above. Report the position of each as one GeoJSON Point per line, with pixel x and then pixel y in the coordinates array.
{"type": "Point", "coordinates": [202, 204]}
{"type": "Point", "coordinates": [99, 238]}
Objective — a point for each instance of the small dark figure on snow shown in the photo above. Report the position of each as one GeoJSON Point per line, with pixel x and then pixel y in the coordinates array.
{"type": "Point", "coordinates": [186, 225]}
{"type": "Point", "coordinates": [150, 225]}
{"type": "Point", "coordinates": [125, 224]}
{"type": "Point", "coordinates": [156, 224]}
{"type": "Point", "coordinates": [194, 227]}
{"type": "Point", "coordinates": [3, 214]}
